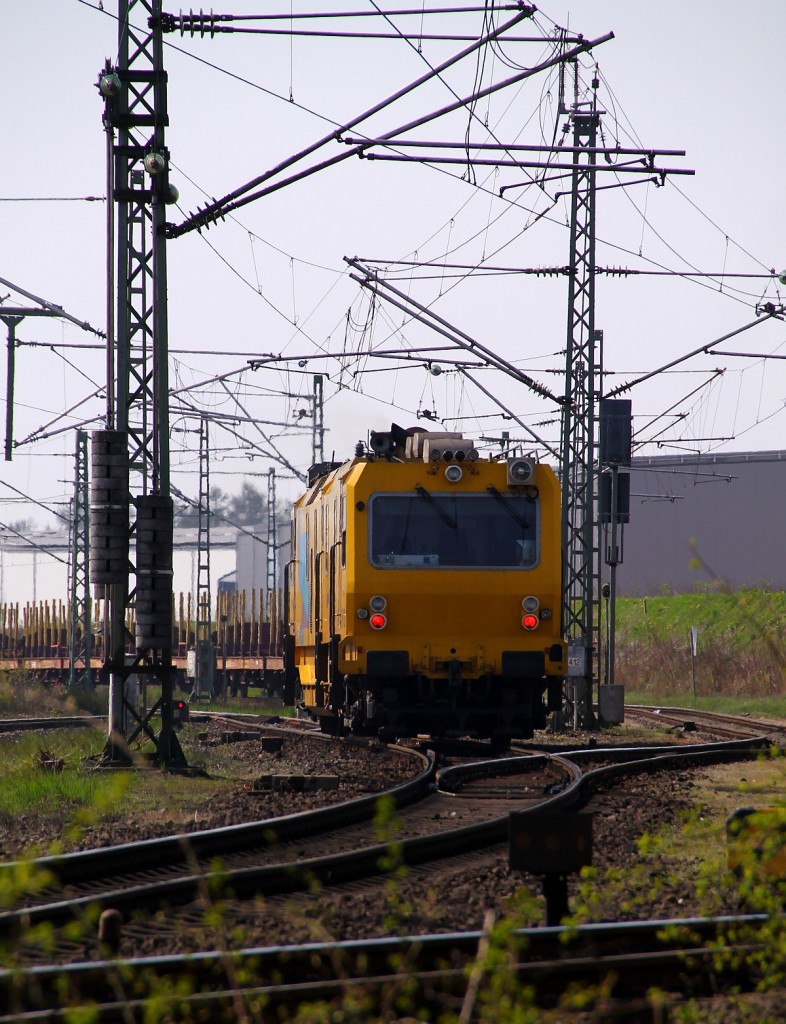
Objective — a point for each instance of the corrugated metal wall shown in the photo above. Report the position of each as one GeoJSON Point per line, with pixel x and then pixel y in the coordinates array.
{"type": "Point", "coordinates": [695, 520]}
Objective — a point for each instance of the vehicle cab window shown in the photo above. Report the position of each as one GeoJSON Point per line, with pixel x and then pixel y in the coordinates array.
{"type": "Point", "coordinates": [452, 531]}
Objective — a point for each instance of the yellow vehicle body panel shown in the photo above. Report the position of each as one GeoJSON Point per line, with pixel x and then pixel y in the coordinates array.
{"type": "Point", "coordinates": [446, 618]}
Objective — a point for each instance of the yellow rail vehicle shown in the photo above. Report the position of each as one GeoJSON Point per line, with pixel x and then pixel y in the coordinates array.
{"type": "Point", "coordinates": [424, 591]}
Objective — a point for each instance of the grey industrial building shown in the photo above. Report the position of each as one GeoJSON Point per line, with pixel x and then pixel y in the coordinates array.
{"type": "Point", "coordinates": [704, 520]}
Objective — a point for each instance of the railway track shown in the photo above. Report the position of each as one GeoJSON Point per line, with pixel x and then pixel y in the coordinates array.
{"type": "Point", "coordinates": [624, 959]}
{"type": "Point", "coordinates": [453, 817]}
{"type": "Point", "coordinates": [466, 813]}
{"type": "Point", "coordinates": [87, 874]}
{"type": "Point", "coordinates": [707, 722]}
{"type": "Point", "coordinates": [266, 858]}
{"type": "Point", "coordinates": [667, 954]}
{"type": "Point", "coordinates": [48, 724]}
{"type": "Point", "coordinates": [685, 719]}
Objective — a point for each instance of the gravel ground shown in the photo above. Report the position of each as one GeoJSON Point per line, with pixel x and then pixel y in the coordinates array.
{"type": "Point", "coordinates": [455, 896]}
{"type": "Point", "coordinates": [452, 897]}
{"type": "Point", "coordinates": [242, 764]}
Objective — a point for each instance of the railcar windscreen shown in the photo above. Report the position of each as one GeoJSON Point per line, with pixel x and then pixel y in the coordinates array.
{"type": "Point", "coordinates": [427, 531]}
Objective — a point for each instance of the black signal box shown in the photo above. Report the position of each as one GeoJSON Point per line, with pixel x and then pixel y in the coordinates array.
{"type": "Point", "coordinates": [615, 431]}
{"type": "Point", "coordinates": [622, 511]}
{"type": "Point", "coordinates": [549, 843]}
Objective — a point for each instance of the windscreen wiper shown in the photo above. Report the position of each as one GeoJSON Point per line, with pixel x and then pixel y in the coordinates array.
{"type": "Point", "coordinates": [436, 506]}
{"type": "Point", "coordinates": [508, 508]}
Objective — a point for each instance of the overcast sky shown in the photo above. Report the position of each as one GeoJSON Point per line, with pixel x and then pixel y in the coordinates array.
{"type": "Point", "coordinates": [706, 77]}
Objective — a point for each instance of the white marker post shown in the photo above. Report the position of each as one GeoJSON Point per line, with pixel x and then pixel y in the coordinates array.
{"type": "Point", "coordinates": [694, 643]}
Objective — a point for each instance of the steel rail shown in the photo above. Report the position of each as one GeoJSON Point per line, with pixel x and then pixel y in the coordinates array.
{"type": "Point", "coordinates": [69, 868]}
{"type": "Point", "coordinates": [64, 722]}
{"type": "Point", "coordinates": [547, 981]}
{"type": "Point", "coordinates": [264, 880]}
{"type": "Point", "coordinates": [548, 955]}
{"type": "Point", "coordinates": [717, 722]}
{"type": "Point", "coordinates": [741, 720]}
{"type": "Point", "coordinates": [449, 780]}
{"type": "Point", "coordinates": [742, 748]}
{"type": "Point", "coordinates": [625, 758]}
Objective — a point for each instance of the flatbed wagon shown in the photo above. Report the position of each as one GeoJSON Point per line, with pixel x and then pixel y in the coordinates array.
{"type": "Point", "coordinates": [246, 639]}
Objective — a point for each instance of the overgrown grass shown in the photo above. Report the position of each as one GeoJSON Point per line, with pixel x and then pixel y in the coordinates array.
{"type": "Point", "coordinates": [47, 775]}
{"type": "Point", "coordinates": [55, 773]}
{"type": "Point", "coordinates": [755, 707]}
{"type": "Point", "coordinates": [257, 705]}
{"type": "Point", "coordinates": [741, 644]}
{"type": "Point", "coordinates": [23, 696]}
{"type": "Point", "coordinates": [737, 619]}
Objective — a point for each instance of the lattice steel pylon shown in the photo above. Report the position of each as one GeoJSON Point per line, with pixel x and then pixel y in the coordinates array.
{"type": "Point", "coordinates": [80, 618]}
{"type": "Point", "coordinates": [204, 679]}
{"type": "Point", "coordinates": [134, 92]}
{"type": "Point", "coordinates": [272, 532]}
{"type": "Point", "coordinates": [581, 560]}
{"type": "Point", "coordinates": [318, 422]}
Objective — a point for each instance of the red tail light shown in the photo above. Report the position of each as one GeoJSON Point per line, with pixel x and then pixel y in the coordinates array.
{"type": "Point", "coordinates": [378, 621]}
{"type": "Point", "coordinates": [530, 622]}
